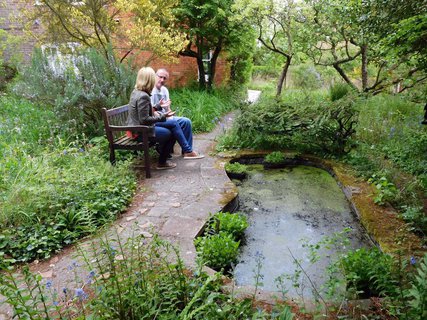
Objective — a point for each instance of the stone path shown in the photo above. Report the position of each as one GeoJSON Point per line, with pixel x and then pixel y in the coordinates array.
{"type": "Point", "coordinates": [176, 205]}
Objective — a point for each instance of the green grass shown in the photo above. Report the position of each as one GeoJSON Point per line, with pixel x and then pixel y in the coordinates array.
{"type": "Point", "coordinates": [203, 108]}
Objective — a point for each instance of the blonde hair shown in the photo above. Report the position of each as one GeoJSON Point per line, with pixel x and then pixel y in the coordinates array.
{"type": "Point", "coordinates": [145, 80]}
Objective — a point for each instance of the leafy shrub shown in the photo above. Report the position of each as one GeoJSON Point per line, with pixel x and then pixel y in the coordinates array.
{"type": "Point", "coordinates": [37, 241]}
{"type": "Point", "coordinates": [51, 198]}
{"type": "Point", "coordinates": [78, 93]}
{"type": "Point", "coordinates": [217, 251]}
{"type": "Point", "coordinates": [231, 223]}
{"type": "Point", "coordinates": [236, 167]}
{"type": "Point", "coordinates": [334, 127]}
{"type": "Point", "coordinates": [7, 73]}
{"type": "Point", "coordinates": [369, 272]}
{"type": "Point", "coordinates": [301, 123]}
{"type": "Point", "coordinates": [305, 77]}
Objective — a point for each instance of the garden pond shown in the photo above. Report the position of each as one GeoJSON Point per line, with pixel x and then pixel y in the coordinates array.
{"type": "Point", "coordinates": [289, 211]}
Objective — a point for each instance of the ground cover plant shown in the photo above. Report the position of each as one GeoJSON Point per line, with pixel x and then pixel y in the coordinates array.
{"type": "Point", "coordinates": [138, 279]}
{"type": "Point", "coordinates": [52, 190]}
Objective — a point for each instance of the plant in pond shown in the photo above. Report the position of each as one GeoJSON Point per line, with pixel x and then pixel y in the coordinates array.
{"type": "Point", "coordinates": [386, 191]}
{"type": "Point", "coordinates": [275, 157]}
{"type": "Point", "coordinates": [217, 251]}
{"type": "Point", "coordinates": [236, 167]}
{"type": "Point", "coordinates": [231, 223]}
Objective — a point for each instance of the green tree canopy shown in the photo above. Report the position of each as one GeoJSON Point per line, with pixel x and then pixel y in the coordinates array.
{"type": "Point", "coordinates": [210, 27]}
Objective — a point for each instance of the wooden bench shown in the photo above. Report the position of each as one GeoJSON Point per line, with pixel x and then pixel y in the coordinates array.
{"type": "Point", "coordinates": [115, 128]}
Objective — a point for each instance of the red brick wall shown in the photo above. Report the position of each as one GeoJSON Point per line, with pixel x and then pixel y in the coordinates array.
{"type": "Point", "coordinates": [7, 23]}
{"type": "Point", "coordinates": [182, 72]}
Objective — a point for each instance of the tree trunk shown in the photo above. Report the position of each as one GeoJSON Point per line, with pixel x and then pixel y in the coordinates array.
{"type": "Point", "coordinates": [344, 76]}
{"type": "Point", "coordinates": [364, 50]}
{"type": "Point", "coordinates": [202, 72]}
{"type": "Point", "coordinates": [212, 64]}
{"type": "Point", "coordinates": [282, 77]}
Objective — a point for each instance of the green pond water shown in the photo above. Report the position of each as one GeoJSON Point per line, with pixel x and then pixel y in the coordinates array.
{"type": "Point", "coordinates": [287, 208]}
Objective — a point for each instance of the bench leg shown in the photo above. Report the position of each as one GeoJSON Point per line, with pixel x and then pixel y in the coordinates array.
{"type": "Point", "coordinates": [112, 156]}
{"type": "Point", "coordinates": [147, 157]}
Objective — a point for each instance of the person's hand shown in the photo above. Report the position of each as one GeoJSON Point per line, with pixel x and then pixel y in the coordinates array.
{"type": "Point", "coordinates": [169, 114]}
{"type": "Point", "coordinates": [165, 103]}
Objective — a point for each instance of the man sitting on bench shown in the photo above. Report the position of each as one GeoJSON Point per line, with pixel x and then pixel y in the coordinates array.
{"type": "Point", "coordinates": [161, 103]}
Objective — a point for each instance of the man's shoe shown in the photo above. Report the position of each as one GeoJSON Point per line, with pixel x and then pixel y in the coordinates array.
{"type": "Point", "coordinates": [192, 155]}
{"type": "Point", "coordinates": [166, 165]}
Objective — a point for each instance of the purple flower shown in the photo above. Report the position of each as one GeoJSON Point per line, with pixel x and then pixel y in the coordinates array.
{"type": "Point", "coordinates": [72, 266]}
{"type": "Point", "coordinates": [48, 284]}
{"type": "Point", "coordinates": [79, 293]}
{"type": "Point", "coordinates": [412, 260]}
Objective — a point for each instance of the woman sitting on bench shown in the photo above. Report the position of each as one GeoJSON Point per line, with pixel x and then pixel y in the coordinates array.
{"type": "Point", "coordinates": [141, 113]}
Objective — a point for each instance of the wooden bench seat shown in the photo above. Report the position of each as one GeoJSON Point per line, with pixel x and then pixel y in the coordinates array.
{"type": "Point", "coordinates": [115, 128]}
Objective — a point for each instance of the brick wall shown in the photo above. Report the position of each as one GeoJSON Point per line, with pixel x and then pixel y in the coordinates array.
{"type": "Point", "coordinates": [182, 72]}
{"type": "Point", "coordinates": [8, 23]}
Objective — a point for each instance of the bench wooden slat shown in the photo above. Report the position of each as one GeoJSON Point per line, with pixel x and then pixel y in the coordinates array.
{"type": "Point", "coordinates": [115, 125]}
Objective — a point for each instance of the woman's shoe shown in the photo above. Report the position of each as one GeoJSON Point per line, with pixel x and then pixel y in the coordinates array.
{"type": "Point", "coordinates": [166, 165]}
{"type": "Point", "coordinates": [192, 155]}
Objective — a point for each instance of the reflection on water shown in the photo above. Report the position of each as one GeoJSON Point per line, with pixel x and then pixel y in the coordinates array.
{"type": "Point", "coordinates": [287, 208]}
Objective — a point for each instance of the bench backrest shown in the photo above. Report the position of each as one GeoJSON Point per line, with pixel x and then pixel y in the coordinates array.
{"type": "Point", "coordinates": [115, 117]}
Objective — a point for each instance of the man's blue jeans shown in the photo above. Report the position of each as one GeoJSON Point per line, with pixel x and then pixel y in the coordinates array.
{"type": "Point", "coordinates": [178, 133]}
{"type": "Point", "coordinates": [187, 129]}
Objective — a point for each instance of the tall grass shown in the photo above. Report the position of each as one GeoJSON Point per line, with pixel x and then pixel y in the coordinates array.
{"type": "Point", "coordinates": [203, 108]}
